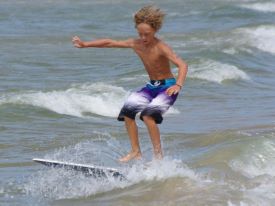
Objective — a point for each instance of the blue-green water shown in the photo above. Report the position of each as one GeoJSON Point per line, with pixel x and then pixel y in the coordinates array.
{"type": "Point", "coordinates": [61, 103]}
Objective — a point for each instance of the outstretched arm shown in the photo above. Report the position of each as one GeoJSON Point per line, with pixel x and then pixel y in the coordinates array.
{"type": "Point", "coordinates": [182, 69]}
{"type": "Point", "coordinates": [103, 43]}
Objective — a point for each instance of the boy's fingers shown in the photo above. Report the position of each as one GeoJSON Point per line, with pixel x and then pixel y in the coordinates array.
{"type": "Point", "coordinates": [75, 38]}
{"type": "Point", "coordinates": [170, 91]}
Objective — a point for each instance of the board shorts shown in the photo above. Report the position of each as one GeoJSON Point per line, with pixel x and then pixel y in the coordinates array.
{"type": "Point", "coordinates": [151, 100]}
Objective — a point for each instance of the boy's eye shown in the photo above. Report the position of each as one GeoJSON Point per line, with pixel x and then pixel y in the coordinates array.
{"type": "Point", "coordinates": [145, 34]}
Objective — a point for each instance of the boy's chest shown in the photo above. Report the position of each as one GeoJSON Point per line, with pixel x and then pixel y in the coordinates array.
{"type": "Point", "coordinates": [149, 55]}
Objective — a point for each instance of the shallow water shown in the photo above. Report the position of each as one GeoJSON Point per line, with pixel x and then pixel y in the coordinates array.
{"type": "Point", "coordinates": [60, 102]}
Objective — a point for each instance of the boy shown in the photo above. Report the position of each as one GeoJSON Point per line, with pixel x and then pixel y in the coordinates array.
{"type": "Point", "coordinates": [161, 92]}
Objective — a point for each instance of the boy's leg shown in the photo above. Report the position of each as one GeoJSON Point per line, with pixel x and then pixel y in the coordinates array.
{"type": "Point", "coordinates": [135, 103]}
{"type": "Point", "coordinates": [154, 135]}
{"type": "Point", "coordinates": [152, 115]}
{"type": "Point", "coordinates": [133, 135]}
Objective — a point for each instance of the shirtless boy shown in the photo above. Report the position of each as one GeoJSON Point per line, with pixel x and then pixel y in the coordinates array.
{"type": "Point", "coordinates": [162, 90]}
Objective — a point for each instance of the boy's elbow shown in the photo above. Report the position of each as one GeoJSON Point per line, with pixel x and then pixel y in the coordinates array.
{"type": "Point", "coordinates": [109, 43]}
{"type": "Point", "coordinates": [184, 66]}
{"type": "Point", "coordinates": [105, 43]}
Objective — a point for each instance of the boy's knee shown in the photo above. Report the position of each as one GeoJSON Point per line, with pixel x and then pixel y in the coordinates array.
{"type": "Point", "coordinates": [151, 117]}
{"type": "Point", "coordinates": [128, 119]}
{"type": "Point", "coordinates": [148, 118]}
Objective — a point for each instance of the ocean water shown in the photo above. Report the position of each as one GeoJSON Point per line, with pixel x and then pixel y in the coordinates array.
{"type": "Point", "coordinates": [61, 103]}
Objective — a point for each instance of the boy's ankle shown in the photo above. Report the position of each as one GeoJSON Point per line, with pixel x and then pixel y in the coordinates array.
{"type": "Point", "coordinates": [130, 156]}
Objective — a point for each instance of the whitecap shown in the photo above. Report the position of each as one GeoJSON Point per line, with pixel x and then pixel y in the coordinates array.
{"type": "Point", "coordinates": [263, 7]}
{"type": "Point", "coordinates": [262, 37]}
{"type": "Point", "coordinates": [100, 99]}
{"type": "Point", "coordinates": [214, 71]}
{"type": "Point", "coordinates": [256, 160]}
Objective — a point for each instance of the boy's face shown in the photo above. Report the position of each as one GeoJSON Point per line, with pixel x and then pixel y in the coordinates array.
{"type": "Point", "coordinates": [146, 33]}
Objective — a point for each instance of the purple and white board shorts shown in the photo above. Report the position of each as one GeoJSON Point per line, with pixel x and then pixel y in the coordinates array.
{"type": "Point", "coordinates": [151, 100]}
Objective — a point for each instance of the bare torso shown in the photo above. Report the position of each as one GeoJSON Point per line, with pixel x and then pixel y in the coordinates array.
{"type": "Point", "coordinates": [155, 63]}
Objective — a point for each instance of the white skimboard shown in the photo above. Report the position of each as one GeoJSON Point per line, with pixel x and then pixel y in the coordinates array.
{"type": "Point", "coordinates": [90, 170]}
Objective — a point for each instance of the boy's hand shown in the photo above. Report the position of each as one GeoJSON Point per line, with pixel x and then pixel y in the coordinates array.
{"type": "Point", "coordinates": [173, 90]}
{"type": "Point", "coordinates": [77, 42]}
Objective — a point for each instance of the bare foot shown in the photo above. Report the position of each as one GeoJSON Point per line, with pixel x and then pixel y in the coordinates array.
{"type": "Point", "coordinates": [130, 156]}
{"type": "Point", "coordinates": [158, 156]}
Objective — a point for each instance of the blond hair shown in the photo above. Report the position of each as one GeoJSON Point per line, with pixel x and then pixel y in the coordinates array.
{"type": "Point", "coordinates": [150, 15]}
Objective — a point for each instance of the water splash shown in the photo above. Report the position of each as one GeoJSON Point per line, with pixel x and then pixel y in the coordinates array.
{"type": "Point", "coordinates": [62, 184]}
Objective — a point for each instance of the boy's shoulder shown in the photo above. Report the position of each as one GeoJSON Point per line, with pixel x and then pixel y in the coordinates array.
{"type": "Point", "coordinates": [164, 47]}
{"type": "Point", "coordinates": [163, 44]}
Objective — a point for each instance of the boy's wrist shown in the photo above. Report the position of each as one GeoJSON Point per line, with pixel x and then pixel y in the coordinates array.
{"type": "Point", "coordinates": [180, 86]}
{"type": "Point", "coordinates": [83, 44]}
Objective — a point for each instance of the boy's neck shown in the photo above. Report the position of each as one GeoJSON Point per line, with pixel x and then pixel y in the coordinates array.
{"type": "Point", "coordinates": [151, 44]}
